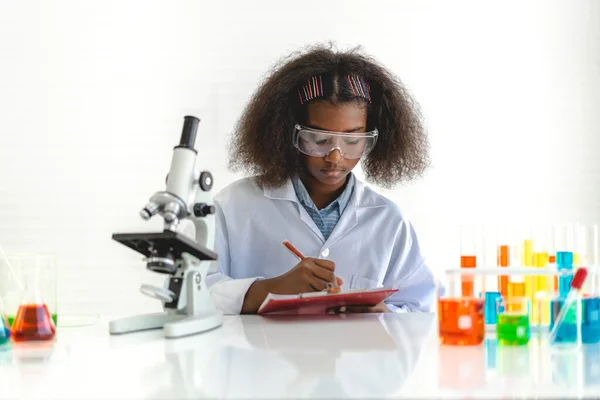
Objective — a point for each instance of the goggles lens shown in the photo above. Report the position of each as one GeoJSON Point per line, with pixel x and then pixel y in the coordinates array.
{"type": "Point", "coordinates": [318, 143]}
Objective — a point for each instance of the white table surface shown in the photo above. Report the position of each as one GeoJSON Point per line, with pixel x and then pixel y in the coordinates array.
{"type": "Point", "coordinates": [359, 356]}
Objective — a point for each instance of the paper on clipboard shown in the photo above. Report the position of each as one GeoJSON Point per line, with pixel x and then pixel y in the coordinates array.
{"type": "Point", "coordinates": [320, 302]}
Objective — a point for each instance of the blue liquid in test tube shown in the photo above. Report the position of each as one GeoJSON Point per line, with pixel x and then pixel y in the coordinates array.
{"type": "Point", "coordinates": [491, 307]}
{"type": "Point", "coordinates": [564, 261]}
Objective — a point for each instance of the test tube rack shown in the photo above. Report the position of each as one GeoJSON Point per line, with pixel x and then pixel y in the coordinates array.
{"type": "Point", "coordinates": [483, 283]}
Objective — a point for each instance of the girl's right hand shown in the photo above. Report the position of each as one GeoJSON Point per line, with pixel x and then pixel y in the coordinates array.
{"type": "Point", "coordinates": [309, 275]}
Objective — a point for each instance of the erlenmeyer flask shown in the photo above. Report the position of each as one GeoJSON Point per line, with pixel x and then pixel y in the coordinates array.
{"type": "Point", "coordinates": [4, 330]}
{"type": "Point", "coordinates": [33, 320]}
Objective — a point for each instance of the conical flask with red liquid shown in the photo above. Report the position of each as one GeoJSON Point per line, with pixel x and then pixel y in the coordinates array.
{"type": "Point", "coordinates": [33, 321]}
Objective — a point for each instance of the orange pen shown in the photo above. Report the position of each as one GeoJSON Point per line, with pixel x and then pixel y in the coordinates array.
{"type": "Point", "coordinates": [296, 252]}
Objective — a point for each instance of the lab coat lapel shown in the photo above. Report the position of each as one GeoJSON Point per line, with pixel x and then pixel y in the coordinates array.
{"type": "Point", "coordinates": [349, 218]}
{"type": "Point", "coordinates": [359, 201]}
{"type": "Point", "coordinates": [286, 192]}
{"type": "Point", "coordinates": [310, 222]}
{"type": "Point", "coordinates": [347, 221]}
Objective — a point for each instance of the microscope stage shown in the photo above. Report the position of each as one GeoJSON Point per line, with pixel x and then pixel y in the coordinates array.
{"type": "Point", "coordinates": [175, 242]}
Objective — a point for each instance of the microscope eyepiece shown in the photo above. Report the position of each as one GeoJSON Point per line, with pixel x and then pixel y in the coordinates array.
{"type": "Point", "coordinates": [188, 135]}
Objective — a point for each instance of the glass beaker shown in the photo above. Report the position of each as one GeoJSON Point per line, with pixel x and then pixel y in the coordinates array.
{"type": "Point", "coordinates": [513, 321]}
{"type": "Point", "coordinates": [13, 275]}
{"type": "Point", "coordinates": [33, 321]}
{"type": "Point", "coordinates": [590, 330]}
{"type": "Point", "coordinates": [460, 318]}
{"type": "Point", "coordinates": [568, 334]}
{"type": "Point", "coordinates": [589, 325]}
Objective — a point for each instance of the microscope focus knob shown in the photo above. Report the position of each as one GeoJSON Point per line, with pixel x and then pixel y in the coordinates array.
{"type": "Point", "coordinates": [206, 181]}
{"type": "Point", "coordinates": [203, 209]}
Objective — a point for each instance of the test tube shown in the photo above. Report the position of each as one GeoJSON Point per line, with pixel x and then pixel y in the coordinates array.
{"type": "Point", "coordinates": [468, 257]}
{"type": "Point", "coordinates": [527, 260]}
{"type": "Point", "coordinates": [490, 282]}
{"type": "Point", "coordinates": [503, 257]}
{"type": "Point", "coordinates": [564, 236]}
{"type": "Point", "coordinates": [577, 232]}
{"type": "Point", "coordinates": [580, 254]}
{"type": "Point", "coordinates": [552, 244]}
{"type": "Point", "coordinates": [527, 247]}
{"type": "Point", "coordinates": [516, 283]}
{"type": "Point", "coordinates": [553, 282]}
{"type": "Point", "coordinates": [540, 313]}
{"type": "Point", "coordinates": [564, 257]}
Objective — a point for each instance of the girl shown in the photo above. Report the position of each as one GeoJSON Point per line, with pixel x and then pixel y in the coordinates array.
{"type": "Point", "coordinates": [301, 135]}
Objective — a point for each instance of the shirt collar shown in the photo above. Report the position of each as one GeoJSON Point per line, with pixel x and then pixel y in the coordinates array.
{"type": "Point", "coordinates": [341, 201]}
{"type": "Point", "coordinates": [363, 197]}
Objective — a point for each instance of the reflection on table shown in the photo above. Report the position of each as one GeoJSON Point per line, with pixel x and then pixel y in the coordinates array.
{"type": "Point", "coordinates": [360, 356]}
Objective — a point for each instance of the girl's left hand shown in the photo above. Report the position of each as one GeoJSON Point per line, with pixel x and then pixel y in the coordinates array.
{"type": "Point", "coordinates": [378, 308]}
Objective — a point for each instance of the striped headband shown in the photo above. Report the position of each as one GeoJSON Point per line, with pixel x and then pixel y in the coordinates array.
{"type": "Point", "coordinates": [314, 88]}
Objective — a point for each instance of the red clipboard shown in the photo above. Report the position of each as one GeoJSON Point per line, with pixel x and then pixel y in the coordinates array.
{"type": "Point", "coordinates": [320, 302]}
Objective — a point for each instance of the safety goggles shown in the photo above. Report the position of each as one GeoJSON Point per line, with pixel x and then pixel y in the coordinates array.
{"type": "Point", "coordinates": [318, 143]}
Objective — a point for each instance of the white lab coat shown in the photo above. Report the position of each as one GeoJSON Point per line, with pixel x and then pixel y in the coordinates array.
{"type": "Point", "coordinates": [372, 245]}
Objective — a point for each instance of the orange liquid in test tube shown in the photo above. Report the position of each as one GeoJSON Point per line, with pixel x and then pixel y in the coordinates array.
{"type": "Point", "coordinates": [503, 262]}
{"type": "Point", "coordinates": [467, 281]}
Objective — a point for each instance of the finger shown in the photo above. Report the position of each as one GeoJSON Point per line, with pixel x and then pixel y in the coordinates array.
{"type": "Point", "coordinates": [330, 265]}
{"type": "Point", "coordinates": [323, 273]}
{"type": "Point", "coordinates": [340, 281]}
{"type": "Point", "coordinates": [317, 283]}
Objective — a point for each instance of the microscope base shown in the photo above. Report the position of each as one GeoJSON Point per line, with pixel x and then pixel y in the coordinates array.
{"type": "Point", "coordinates": [174, 325]}
{"type": "Point", "coordinates": [191, 325]}
{"type": "Point", "coordinates": [142, 322]}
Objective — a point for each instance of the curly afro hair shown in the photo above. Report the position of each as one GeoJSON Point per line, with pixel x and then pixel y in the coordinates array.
{"type": "Point", "coordinates": [262, 142]}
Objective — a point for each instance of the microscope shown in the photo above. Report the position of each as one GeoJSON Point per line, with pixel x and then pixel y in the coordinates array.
{"type": "Point", "coordinates": [187, 305]}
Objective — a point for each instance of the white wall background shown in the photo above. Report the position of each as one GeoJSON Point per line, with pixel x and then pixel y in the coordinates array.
{"type": "Point", "coordinates": [92, 96]}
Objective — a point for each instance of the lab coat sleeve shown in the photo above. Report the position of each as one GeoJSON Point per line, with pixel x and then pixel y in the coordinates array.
{"type": "Point", "coordinates": [409, 273]}
{"type": "Point", "coordinates": [227, 293]}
